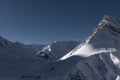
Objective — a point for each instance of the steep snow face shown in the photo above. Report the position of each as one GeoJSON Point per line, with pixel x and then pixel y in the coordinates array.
{"type": "Point", "coordinates": [101, 52]}
{"type": "Point", "coordinates": [88, 50]}
{"type": "Point", "coordinates": [105, 37]}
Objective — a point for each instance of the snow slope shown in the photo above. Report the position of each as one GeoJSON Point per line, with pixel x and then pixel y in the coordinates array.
{"type": "Point", "coordinates": [98, 58]}
{"type": "Point", "coordinates": [101, 52]}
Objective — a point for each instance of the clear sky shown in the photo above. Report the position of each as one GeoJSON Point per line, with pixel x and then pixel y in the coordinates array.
{"type": "Point", "coordinates": [45, 21]}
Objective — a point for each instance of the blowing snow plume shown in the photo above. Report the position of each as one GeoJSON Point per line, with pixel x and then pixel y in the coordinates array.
{"type": "Point", "coordinates": [88, 50]}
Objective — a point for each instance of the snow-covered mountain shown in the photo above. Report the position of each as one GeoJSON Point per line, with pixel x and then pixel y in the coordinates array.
{"type": "Point", "coordinates": [17, 58]}
{"type": "Point", "coordinates": [100, 54]}
{"type": "Point", "coordinates": [97, 58]}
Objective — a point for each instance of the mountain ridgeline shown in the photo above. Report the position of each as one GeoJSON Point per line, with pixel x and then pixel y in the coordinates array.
{"type": "Point", "coordinates": [97, 58]}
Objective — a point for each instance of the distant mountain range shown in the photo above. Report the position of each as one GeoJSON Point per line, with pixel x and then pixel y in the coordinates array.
{"type": "Point", "coordinates": [16, 57]}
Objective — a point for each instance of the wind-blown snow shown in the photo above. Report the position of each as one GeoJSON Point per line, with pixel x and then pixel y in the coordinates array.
{"type": "Point", "coordinates": [88, 50]}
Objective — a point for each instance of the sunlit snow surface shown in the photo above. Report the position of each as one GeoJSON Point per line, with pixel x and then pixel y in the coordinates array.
{"type": "Point", "coordinates": [88, 50]}
{"type": "Point", "coordinates": [115, 60]}
{"type": "Point", "coordinates": [118, 77]}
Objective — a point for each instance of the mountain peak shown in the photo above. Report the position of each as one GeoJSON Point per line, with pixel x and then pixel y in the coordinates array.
{"type": "Point", "coordinates": [108, 17]}
{"type": "Point", "coordinates": [109, 20]}
{"type": "Point", "coordinates": [101, 37]}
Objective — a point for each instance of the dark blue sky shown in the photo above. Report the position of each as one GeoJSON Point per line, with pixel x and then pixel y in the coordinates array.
{"type": "Point", "coordinates": [45, 21]}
